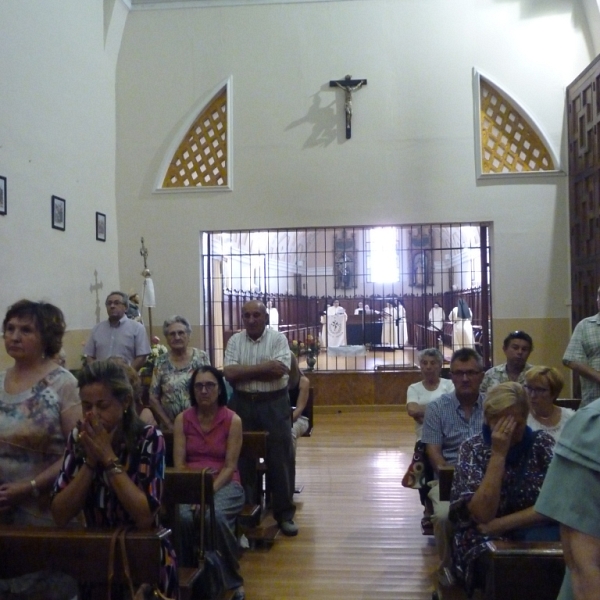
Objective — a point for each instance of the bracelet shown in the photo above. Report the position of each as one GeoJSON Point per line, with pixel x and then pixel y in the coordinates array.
{"type": "Point", "coordinates": [114, 467]}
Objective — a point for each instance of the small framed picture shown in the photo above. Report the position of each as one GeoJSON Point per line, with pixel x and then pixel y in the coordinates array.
{"type": "Point", "coordinates": [100, 227]}
{"type": "Point", "coordinates": [3, 199]}
{"type": "Point", "coordinates": [59, 213]}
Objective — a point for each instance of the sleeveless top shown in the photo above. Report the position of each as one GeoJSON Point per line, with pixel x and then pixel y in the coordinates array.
{"type": "Point", "coordinates": [207, 448]}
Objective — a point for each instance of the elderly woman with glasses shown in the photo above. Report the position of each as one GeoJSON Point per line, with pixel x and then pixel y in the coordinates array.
{"type": "Point", "coordinates": [543, 385]}
{"type": "Point", "coordinates": [209, 435]}
{"type": "Point", "coordinates": [497, 479]}
{"type": "Point", "coordinates": [169, 390]}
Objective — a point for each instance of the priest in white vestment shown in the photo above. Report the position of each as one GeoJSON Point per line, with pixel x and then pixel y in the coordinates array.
{"type": "Point", "coordinates": [462, 330]}
{"type": "Point", "coordinates": [389, 332]}
{"type": "Point", "coordinates": [402, 326]}
{"type": "Point", "coordinates": [334, 329]}
{"type": "Point", "coordinates": [273, 316]}
{"type": "Point", "coordinates": [437, 316]}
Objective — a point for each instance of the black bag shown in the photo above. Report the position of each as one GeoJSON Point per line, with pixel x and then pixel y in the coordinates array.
{"type": "Point", "coordinates": [211, 582]}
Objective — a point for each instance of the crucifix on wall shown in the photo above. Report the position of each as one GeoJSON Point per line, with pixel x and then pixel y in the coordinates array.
{"type": "Point", "coordinates": [349, 85]}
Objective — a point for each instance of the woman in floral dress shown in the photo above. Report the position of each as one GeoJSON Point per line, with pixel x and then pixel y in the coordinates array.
{"type": "Point", "coordinates": [113, 467]}
{"type": "Point", "coordinates": [39, 405]}
{"type": "Point", "coordinates": [497, 480]}
{"type": "Point", "coordinates": [169, 390]}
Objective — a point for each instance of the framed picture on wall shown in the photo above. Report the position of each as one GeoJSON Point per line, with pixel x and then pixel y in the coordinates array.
{"type": "Point", "coordinates": [3, 199]}
{"type": "Point", "coordinates": [59, 213]}
{"type": "Point", "coordinates": [100, 227]}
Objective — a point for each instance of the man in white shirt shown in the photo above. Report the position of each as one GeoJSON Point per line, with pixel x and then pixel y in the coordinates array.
{"type": "Point", "coordinates": [257, 365]}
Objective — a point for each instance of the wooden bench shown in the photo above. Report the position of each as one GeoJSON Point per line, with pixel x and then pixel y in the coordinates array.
{"type": "Point", "coordinates": [81, 553]}
{"type": "Point", "coordinates": [183, 486]}
{"type": "Point", "coordinates": [517, 570]}
{"type": "Point", "coordinates": [572, 403]}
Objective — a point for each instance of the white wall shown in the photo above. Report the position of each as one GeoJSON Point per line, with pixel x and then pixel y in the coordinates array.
{"type": "Point", "coordinates": [411, 156]}
{"type": "Point", "coordinates": [57, 137]}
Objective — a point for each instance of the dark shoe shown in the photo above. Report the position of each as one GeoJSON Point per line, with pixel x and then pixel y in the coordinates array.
{"type": "Point", "coordinates": [239, 595]}
{"type": "Point", "coordinates": [288, 528]}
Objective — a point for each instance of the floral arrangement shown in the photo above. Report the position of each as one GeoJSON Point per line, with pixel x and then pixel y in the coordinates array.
{"type": "Point", "coordinates": [156, 351]}
{"type": "Point", "coordinates": [313, 347]}
{"type": "Point", "coordinates": [297, 347]}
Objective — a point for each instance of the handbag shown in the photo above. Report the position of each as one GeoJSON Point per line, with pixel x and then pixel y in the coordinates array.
{"type": "Point", "coordinates": [210, 584]}
{"type": "Point", "coordinates": [145, 591]}
{"type": "Point", "coordinates": [419, 471]}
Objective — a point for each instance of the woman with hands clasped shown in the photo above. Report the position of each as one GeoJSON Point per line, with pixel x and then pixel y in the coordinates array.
{"type": "Point", "coordinates": [113, 465]}
{"type": "Point", "coordinates": [497, 480]}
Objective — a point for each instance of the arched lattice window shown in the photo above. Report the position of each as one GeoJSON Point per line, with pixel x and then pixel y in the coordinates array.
{"type": "Point", "coordinates": [201, 158]}
{"type": "Point", "coordinates": [510, 140]}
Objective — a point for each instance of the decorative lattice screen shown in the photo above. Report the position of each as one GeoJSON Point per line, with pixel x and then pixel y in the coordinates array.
{"type": "Point", "coordinates": [509, 144]}
{"type": "Point", "coordinates": [201, 158]}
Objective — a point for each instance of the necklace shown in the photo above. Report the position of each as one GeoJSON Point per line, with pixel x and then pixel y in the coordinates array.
{"type": "Point", "coordinates": [540, 418]}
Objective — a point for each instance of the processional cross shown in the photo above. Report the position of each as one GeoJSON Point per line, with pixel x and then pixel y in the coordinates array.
{"type": "Point", "coordinates": [349, 85]}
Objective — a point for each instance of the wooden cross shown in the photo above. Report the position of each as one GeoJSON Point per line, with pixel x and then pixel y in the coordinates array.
{"type": "Point", "coordinates": [96, 287]}
{"type": "Point", "coordinates": [349, 85]}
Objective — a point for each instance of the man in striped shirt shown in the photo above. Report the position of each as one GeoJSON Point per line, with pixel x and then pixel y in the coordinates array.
{"type": "Point", "coordinates": [257, 365]}
{"type": "Point", "coordinates": [449, 421]}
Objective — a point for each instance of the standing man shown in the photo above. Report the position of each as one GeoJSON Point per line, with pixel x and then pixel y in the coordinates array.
{"type": "Point", "coordinates": [118, 336]}
{"type": "Point", "coordinates": [583, 355]}
{"type": "Point", "coordinates": [517, 347]}
{"type": "Point", "coordinates": [449, 421]}
{"type": "Point", "coordinates": [257, 365]}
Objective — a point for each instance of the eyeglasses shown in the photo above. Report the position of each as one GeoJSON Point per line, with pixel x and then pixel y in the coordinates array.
{"type": "Point", "coordinates": [113, 302]}
{"type": "Point", "coordinates": [209, 386]}
{"type": "Point", "coordinates": [536, 390]}
{"type": "Point", "coordinates": [468, 374]}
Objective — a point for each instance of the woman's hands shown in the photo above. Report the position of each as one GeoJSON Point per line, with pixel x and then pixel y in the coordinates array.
{"type": "Point", "coordinates": [11, 494]}
{"type": "Point", "coordinates": [95, 441]}
{"type": "Point", "coordinates": [502, 433]}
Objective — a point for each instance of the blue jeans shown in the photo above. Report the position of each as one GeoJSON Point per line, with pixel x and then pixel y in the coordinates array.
{"type": "Point", "coordinates": [229, 501]}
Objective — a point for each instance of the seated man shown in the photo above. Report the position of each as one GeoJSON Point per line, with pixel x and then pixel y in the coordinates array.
{"type": "Point", "coordinates": [298, 388]}
{"type": "Point", "coordinates": [359, 310]}
{"type": "Point", "coordinates": [517, 347]}
{"type": "Point", "coordinates": [449, 421]}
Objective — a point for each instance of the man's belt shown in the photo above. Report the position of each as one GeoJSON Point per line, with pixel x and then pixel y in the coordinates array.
{"type": "Point", "coordinates": [260, 396]}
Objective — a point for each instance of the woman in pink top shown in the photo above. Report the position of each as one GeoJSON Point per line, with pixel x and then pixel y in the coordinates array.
{"type": "Point", "coordinates": [208, 434]}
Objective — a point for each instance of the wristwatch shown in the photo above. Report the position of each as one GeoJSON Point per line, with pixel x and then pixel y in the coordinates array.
{"type": "Point", "coordinates": [35, 492]}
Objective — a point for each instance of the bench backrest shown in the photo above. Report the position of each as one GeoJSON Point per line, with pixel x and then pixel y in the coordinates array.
{"type": "Point", "coordinates": [81, 553]}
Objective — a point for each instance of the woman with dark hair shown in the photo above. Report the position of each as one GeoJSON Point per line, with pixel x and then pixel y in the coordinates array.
{"type": "Point", "coordinates": [209, 435]}
{"type": "Point", "coordinates": [113, 465]}
{"type": "Point", "coordinates": [39, 405]}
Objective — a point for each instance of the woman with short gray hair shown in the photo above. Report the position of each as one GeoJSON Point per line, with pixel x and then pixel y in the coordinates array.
{"type": "Point", "coordinates": [169, 393]}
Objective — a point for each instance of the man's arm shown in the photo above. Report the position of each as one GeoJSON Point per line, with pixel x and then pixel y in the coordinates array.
{"type": "Point", "coordinates": [267, 371]}
{"type": "Point", "coordinates": [302, 401]}
{"type": "Point", "coordinates": [582, 556]}
{"type": "Point", "coordinates": [139, 361]}
{"type": "Point", "coordinates": [435, 456]}
{"type": "Point", "coordinates": [582, 370]}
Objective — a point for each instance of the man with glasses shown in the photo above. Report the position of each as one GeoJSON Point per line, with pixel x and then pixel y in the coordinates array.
{"type": "Point", "coordinates": [449, 421]}
{"type": "Point", "coordinates": [517, 347]}
{"type": "Point", "coordinates": [118, 335]}
{"type": "Point", "coordinates": [257, 365]}
{"type": "Point", "coordinates": [583, 355]}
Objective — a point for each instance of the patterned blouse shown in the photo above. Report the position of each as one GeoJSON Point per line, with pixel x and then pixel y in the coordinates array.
{"type": "Point", "coordinates": [102, 507]}
{"type": "Point", "coordinates": [170, 383]}
{"type": "Point", "coordinates": [521, 485]}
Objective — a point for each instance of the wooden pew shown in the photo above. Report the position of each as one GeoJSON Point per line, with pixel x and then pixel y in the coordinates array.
{"type": "Point", "coordinates": [81, 553]}
{"type": "Point", "coordinates": [254, 450]}
{"type": "Point", "coordinates": [517, 570]}
{"type": "Point", "coordinates": [183, 486]}
{"type": "Point", "coordinates": [572, 403]}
